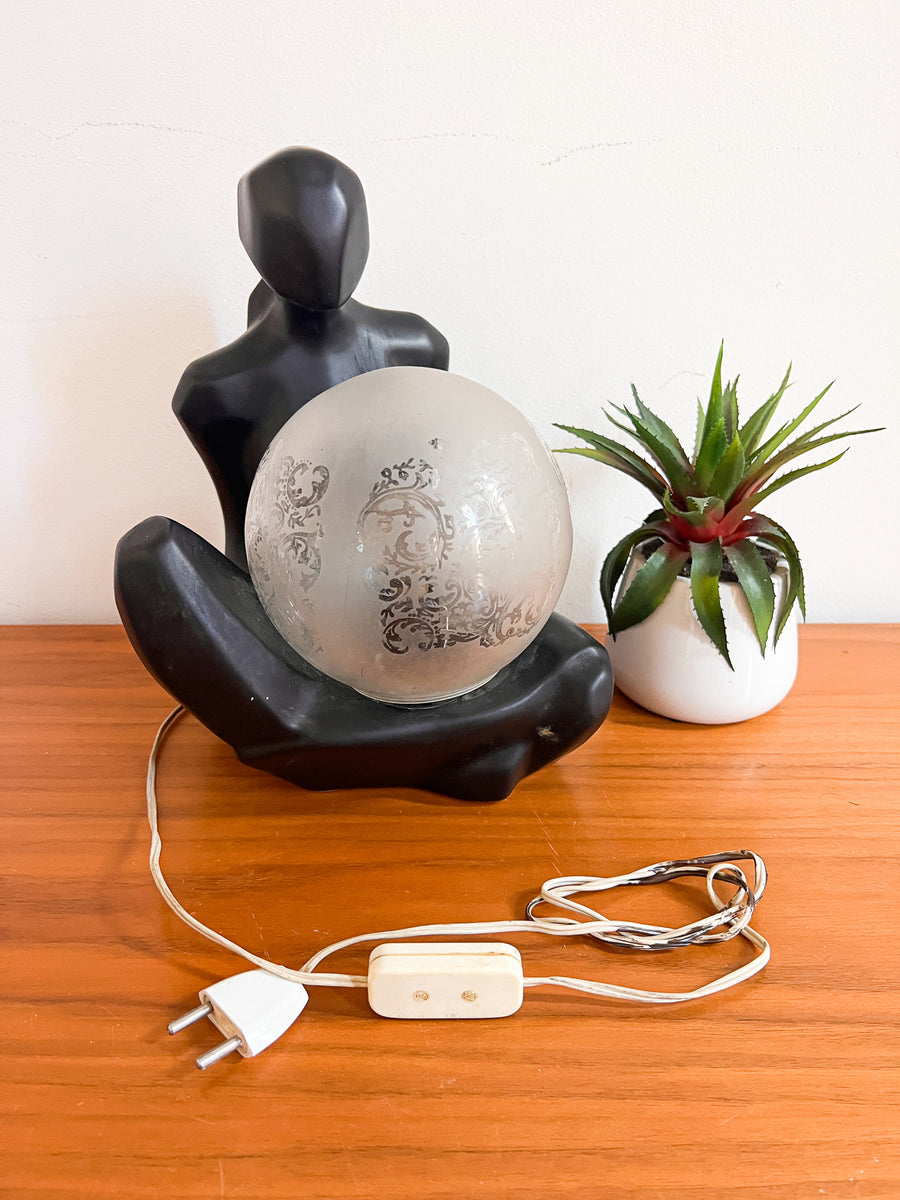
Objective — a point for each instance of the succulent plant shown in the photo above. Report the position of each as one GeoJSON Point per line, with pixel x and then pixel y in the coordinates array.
{"type": "Point", "coordinates": [708, 504]}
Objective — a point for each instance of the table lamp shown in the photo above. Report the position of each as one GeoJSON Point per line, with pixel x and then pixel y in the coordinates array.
{"type": "Point", "coordinates": [406, 530]}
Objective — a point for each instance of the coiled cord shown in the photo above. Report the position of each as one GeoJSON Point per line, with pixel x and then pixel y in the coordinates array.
{"type": "Point", "coordinates": [729, 919]}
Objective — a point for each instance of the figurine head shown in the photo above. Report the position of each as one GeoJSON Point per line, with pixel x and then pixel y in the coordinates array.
{"type": "Point", "coordinates": [302, 220]}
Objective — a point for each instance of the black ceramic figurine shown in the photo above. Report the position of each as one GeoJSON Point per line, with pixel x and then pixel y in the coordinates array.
{"type": "Point", "coordinates": [192, 613]}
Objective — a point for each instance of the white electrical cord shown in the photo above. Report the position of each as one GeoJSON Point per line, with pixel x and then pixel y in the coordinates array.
{"type": "Point", "coordinates": [730, 918]}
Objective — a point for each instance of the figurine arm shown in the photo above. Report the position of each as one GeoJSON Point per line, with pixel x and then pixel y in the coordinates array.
{"type": "Point", "coordinates": [221, 437]}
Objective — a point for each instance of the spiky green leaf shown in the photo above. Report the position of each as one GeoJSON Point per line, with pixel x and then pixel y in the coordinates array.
{"type": "Point", "coordinates": [777, 439]}
{"type": "Point", "coordinates": [817, 429]}
{"type": "Point", "coordinates": [730, 409]}
{"type": "Point", "coordinates": [770, 533]}
{"type": "Point", "coordinates": [698, 435]}
{"type": "Point", "coordinates": [755, 478]}
{"type": "Point", "coordinates": [662, 431]}
{"type": "Point", "coordinates": [793, 476]}
{"type": "Point", "coordinates": [613, 454]}
{"type": "Point", "coordinates": [659, 440]}
{"type": "Point", "coordinates": [796, 589]}
{"type": "Point", "coordinates": [714, 407]}
{"type": "Point", "coordinates": [615, 562]}
{"type": "Point", "coordinates": [629, 428]}
{"type": "Point", "coordinates": [699, 511]}
{"type": "Point", "coordinates": [712, 448]}
{"type": "Point", "coordinates": [648, 588]}
{"type": "Point", "coordinates": [756, 583]}
{"type": "Point", "coordinates": [706, 567]}
{"type": "Point", "coordinates": [730, 471]}
{"type": "Point", "coordinates": [612, 460]}
{"type": "Point", "coordinates": [757, 423]}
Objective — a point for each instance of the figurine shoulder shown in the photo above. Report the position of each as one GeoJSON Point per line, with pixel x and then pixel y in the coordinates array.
{"type": "Point", "coordinates": [412, 340]}
{"type": "Point", "coordinates": [209, 381]}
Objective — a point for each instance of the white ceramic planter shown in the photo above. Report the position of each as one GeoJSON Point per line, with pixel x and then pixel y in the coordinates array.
{"type": "Point", "coordinates": [668, 665]}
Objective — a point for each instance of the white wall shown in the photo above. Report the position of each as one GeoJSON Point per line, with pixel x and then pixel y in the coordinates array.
{"type": "Point", "coordinates": [578, 194]}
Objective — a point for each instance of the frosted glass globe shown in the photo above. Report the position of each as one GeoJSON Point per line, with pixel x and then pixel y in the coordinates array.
{"type": "Point", "coordinates": [408, 533]}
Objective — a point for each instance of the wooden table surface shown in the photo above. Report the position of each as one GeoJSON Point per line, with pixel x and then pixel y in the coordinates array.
{"type": "Point", "coordinates": [786, 1086]}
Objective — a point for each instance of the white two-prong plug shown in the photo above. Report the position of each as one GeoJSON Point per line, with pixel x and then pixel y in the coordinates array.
{"type": "Point", "coordinates": [252, 1010]}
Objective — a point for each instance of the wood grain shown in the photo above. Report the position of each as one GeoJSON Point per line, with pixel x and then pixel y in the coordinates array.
{"type": "Point", "coordinates": [785, 1087]}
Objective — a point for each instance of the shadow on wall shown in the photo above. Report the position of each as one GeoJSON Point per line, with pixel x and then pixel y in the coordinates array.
{"type": "Point", "coordinates": [108, 450]}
